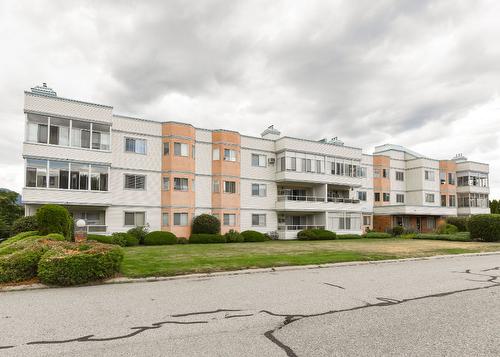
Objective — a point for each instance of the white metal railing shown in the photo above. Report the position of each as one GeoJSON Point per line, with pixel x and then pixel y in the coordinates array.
{"type": "Point", "coordinates": [299, 227]}
{"type": "Point", "coordinates": [308, 198]}
{"type": "Point", "coordinates": [96, 228]}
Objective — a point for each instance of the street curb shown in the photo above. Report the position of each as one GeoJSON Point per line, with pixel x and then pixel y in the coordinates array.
{"type": "Point", "coordinates": [123, 280]}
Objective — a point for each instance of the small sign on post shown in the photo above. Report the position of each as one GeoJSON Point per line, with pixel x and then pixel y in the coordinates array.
{"type": "Point", "coordinates": [80, 231]}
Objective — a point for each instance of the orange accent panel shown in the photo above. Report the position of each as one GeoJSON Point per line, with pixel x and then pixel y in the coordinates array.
{"type": "Point", "coordinates": [448, 166]}
{"type": "Point", "coordinates": [179, 231]}
{"type": "Point", "coordinates": [381, 223]}
{"type": "Point", "coordinates": [381, 184]}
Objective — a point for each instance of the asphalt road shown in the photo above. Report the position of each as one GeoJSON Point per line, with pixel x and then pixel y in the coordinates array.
{"type": "Point", "coordinates": [435, 307]}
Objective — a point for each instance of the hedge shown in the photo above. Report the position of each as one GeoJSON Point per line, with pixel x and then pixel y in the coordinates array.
{"type": "Point", "coordinates": [234, 237]}
{"type": "Point", "coordinates": [182, 240]}
{"type": "Point", "coordinates": [458, 237]}
{"type": "Point", "coordinates": [19, 261]}
{"type": "Point", "coordinates": [139, 233]}
{"type": "Point", "coordinates": [377, 235]}
{"type": "Point", "coordinates": [54, 219]}
{"type": "Point", "coordinates": [201, 238]}
{"type": "Point", "coordinates": [348, 236]}
{"type": "Point", "coordinates": [460, 222]}
{"type": "Point", "coordinates": [397, 231]}
{"type": "Point", "coordinates": [316, 234]}
{"type": "Point", "coordinates": [121, 239]}
{"type": "Point", "coordinates": [253, 236]}
{"type": "Point", "coordinates": [485, 227]}
{"type": "Point", "coordinates": [447, 229]}
{"type": "Point", "coordinates": [206, 224]}
{"type": "Point", "coordinates": [160, 238]}
{"type": "Point", "coordinates": [24, 224]}
{"type": "Point", "coordinates": [18, 237]}
{"type": "Point", "coordinates": [74, 264]}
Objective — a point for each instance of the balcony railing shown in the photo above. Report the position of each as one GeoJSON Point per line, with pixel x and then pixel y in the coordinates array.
{"type": "Point", "coordinates": [96, 228]}
{"type": "Point", "coordinates": [298, 227]}
{"type": "Point", "coordinates": [308, 198]}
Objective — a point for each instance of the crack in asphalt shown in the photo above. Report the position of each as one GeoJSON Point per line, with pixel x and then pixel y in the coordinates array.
{"type": "Point", "coordinates": [288, 318]}
{"type": "Point", "coordinates": [335, 286]}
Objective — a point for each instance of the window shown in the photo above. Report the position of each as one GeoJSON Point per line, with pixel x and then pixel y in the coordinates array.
{"type": "Point", "coordinates": [258, 160]}
{"type": "Point", "coordinates": [429, 197]}
{"type": "Point", "coordinates": [293, 164]}
{"type": "Point", "coordinates": [135, 219]}
{"type": "Point", "coordinates": [367, 220]}
{"type": "Point", "coordinates": [339, 170]}
{"type": "Point", "coordinates": [180, 184]}
{"type": "Point", "coordinates": [400, 176]}
{"type": "Point", "coordinates": [386, 197]}
{"type": "Point", "coordinates": [362, 195]}
{"type": "Point", "coordinates": [385, 173]}
{"type": "Point", "coordinates": [443, 200]}
{"type": "Point", "coordinates": [377, 196]}
{"type": "Point", "coordinates": [229, 155]}
{"type": "Point", "coordinates": [98, 177]}
{"type": "Point", "coordinates": [181, 149]}
{"type": "Point", "coordinates": [166, 148]}
{"type": "Point", "coordinates": [361, 171]}
{"type": "Point", "coordinates": [164, 219]}
{"type": "Point", "coordinates": [100, 136]}
{"type": "Point", "coordinates": [431, 223]}
{"type": "Point", "coordinates": [429, 175]}
{"type": "Point", "coordinates": [59, 174]}
{"type": "Point", "coordinates": [451, 178]}
{"type": "Point", "coordinates": [215, 154]}
{"type": "Point", "coordinates": [259, 190]}
{"type": "Point", "coordinates": [80, 134]}
{"type": "Point", "coordinates": [282, 163]}
{"type": "Point", "coordinates": [79, 177]}
{"type": "Point", "coordinates": [193, 151]}
{"type": "Point", "coordinates": [230, 186]}
{"type": "Point", "coordinates": [229, 219]}
{"type": "Point", "coordinates": [319, 169]}
{"type": "Point", "coordinates": [400, 198]}
{"type": "Point", "coordinates": [215, 186]}
{"type": "Point", "coordinates": [442, 177]}
{"type": "Point", "coordinates": [59, 131]}
{"type": "Point", "coordinates": [345, 221]}
{"type": "Point", "coordinates": [180, 219]}
{"type": "Point", "coordinates": [166, 183]}
{"type": "Point", "coordinates": [452, 200]}
{"type": "Point", "coordinates": [36, 173]}
{"type": "Point", "coordinates": [135, 182]}
{"type": "Point", "coordinates": [308, 165]}
{"type": "Point", "coordinates": [137, 146]}
{"type": "Point", "coordinates": [258, 220]}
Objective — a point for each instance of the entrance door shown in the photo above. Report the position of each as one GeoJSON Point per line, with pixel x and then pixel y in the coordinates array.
{"type": "Point", "coordinates": [419, 223]}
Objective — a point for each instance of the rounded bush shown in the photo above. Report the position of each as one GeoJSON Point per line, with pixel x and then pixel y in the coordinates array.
{"type": "Point", "coordinates": [459, 222]}
{"type": "Point", "coordinates": [206, 238]}
{"type": "Point", "coordinates": [160, 238]}
{"type": "Point", "coordinates": [24, 224]}
{"type": "Point", "coordinates": [377, 235]}
{"type": "Point", "coordinates": [447, 229]}
{"type": "Point", "coordinates": [182, 240]}
{"type": "Point", "coordinates": [234, 237]}
{"type": "Point", "coordinates": [485, 227]}
{"type": "Point", "coordinates": [55, 236]}
{"type": "Point", "coordinates": [54, 219]}
{"type": "Point", "coordinates": [18, 237]}
{"type": "Point", "coordinates": [73, 264]}
{"type": "Point", "coordinates": [253, 236]}
{"type": "Point", "coordinates": [139, 233]}
{"type": "Point", "coordinates": [397, 231]}
{"type": "Point", "coordinates": [206, 224]}
{"type": "Point", "coordinates": [348, 236]}
{"type": "Point", "coordinates": [127, 239]}
{"type": "Point", "coordinates": [316, 234]}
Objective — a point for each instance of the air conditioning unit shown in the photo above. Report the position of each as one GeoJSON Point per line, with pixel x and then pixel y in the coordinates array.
{"type": "Point", "coordinates": [271, 161]}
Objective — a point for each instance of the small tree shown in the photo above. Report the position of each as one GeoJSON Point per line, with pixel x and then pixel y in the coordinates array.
{"type": "Point", "coordinates": [24, 224]}
{"type": "Point", "coordinates": [206, 223]}
{"type": "Point", "coordinates": [10, 210]}
{"type": "Point", "coordinates": [54, 219]}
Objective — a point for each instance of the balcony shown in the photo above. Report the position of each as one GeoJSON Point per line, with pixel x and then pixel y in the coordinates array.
{"type": "Point", "coordinates": [315, 203]}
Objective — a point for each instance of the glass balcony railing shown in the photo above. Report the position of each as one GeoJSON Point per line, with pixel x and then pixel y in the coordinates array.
{"type": "Point", "coordinates": [308, 198]}
{"type": "Point", "coordinates": [299, 227]}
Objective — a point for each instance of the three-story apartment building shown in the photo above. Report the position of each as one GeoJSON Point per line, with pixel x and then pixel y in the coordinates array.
{"type": "Point", "coordinates": [117, 172]}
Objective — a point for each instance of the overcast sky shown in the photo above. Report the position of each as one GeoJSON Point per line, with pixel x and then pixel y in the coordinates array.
{"type": "Point", "coordinates": [424, 74]}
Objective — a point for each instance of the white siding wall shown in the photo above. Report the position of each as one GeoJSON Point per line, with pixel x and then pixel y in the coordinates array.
{"type": "Point", "coordinates": [246, 220]}
{"type": "Point", "coordinates": [203, 192]}
{"type": "Point", "coordinates": [115, 217]}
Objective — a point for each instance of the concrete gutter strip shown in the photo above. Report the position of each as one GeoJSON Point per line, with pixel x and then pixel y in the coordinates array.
{"type": "Point", "coordinates": [124, 280]}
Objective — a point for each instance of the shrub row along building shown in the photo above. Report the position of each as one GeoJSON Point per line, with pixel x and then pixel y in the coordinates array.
{"type": "Point", "coordinates": [117, 172]}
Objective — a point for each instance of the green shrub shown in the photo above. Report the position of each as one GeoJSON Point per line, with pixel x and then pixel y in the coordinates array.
{"type": "Point", "coordinates": [234, 237]}
{"type": "Point", "coordinates": [128, 239]}
{"type": "Point", "coordinates": [54, 219]}
{"type": "Point", "coordinates": [139, 233]}
{"type": "Point", "coordinates": [201, 238]}
{"type": "Point", "coordinates": [447, 229]}
{"type": "Point", "coordinates": [73, 264]}
{"type": "Point", "coordinates": [253, 236]}
{"type": "Point", "coordinates": [273, 235]}
{"type": "Point", "coordinates": [316, 234]}
{"type": "Point", "coordinates": [19, 260]}
{"type": "Point", "coordinates": [101, 238]}
{"type": "Point", "coordinates": [485, 227]}
{"type": "Point", "coordinates": [206, 224]}
{"type": "Point", "coordinates": [24, 224]}
{"type": "Point", "coordinates": [459, 222]}
{"type": "Point", "coordinates": [55, 236]}
{"type": "Point", "coordinates": [17, 238]}
{"type": "Point", "coordinates": [408, 235]}
{"type": "Point", "coordinates": [397, 231]}
{"type": "Point", "coordinates": [458, 237]}
{"type": "Point", "coordinates": [348, 236]}
{"type": "Point", "coordinates": [160, 238]}
{"type": "Point", "coordinates": [182, 240]}
{"type": "Point", "coordinates": [377, 235]}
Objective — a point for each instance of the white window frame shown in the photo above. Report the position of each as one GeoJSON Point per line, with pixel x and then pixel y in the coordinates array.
{"type": "Point", "coordinates": [135, 182]}
{"type": "Point", "coordinates": [232, 157]}
{"type": "Point", "coordinates": [135, 218]}
{"type": "Point", "coordinates": [261, 188]}
{"type": "Point", "coordinates": [235, 188]}
{"type": "Point", "coordinates": [229, 222]}
{"type": "Point", "coordinates": [135, 145]}
{"type": "Point", "coordinates": [261, 160]}
{"type": "Point", "coordinates": [181, 215]}
{"type": "Point", "coordinates": [184, 149]}
{"type": "Point", "coordinates": [261, 222]}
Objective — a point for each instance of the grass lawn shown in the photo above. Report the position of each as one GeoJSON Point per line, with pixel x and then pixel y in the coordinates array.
{"type": "Point", "coordinates": [197, 258]}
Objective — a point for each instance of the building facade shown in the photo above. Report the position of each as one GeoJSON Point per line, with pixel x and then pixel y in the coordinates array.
{"type": "Point", "coordinates": [117, 172]}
